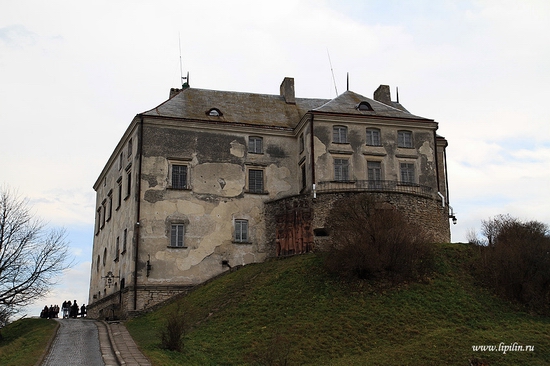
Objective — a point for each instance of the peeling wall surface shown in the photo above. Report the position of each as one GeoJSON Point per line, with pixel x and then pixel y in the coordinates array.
{"type": "Point", "coordinates": [211, 180]}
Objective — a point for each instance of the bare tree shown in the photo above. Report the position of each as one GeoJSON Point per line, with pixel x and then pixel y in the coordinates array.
{"type": "Point", "coordinates": [31, 255]}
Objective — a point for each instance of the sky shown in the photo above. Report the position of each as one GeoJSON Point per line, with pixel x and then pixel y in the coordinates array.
{"type": "Point", "coordinates": [74, 74]}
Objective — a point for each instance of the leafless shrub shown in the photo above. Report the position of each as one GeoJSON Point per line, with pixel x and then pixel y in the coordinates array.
{"type": "Point", "coordinates": [514, 260]}
{"type": "Point", "coordinates": [374, 240]}
{"type": "Point", "coordinates": [171, 336]}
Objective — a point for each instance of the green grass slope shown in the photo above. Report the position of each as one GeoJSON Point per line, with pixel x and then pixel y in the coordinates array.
{"type": "Point", "coordinates": [292, 310]}
{"type": "Point", "coordinates": [24, 341]}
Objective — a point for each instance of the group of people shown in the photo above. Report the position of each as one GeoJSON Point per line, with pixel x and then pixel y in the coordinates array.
{"type": "Point", "coordinates": [70, 310]}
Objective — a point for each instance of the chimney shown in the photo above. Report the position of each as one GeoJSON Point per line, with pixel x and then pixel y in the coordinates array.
{"type": "Point", "coordinates": [287, 90]}
{"type": "Point", "coordinates": [382, 94]}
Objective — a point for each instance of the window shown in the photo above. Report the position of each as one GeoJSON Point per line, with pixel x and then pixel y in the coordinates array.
{"type": "Point", "coordinates": [404, 139]}
{"type": "Point", "coordinates": [128, 183]}
{"type": "Point", "coordinates": [340, 134]}
{"type": "Point", "coordinates": [303, 169]}
{"type": "Point", "coordinates": [373, 137]}
{"type": "Point", "coordinates": [407, 173]}
{"type": "Point", "coordinates": [341, 169]}
{"type": "Point", "coordinates": [120, 161]}
{"type": "Point", "coordinates": [104, 256]}
{"type": "Point", "coordinates": [119, 201]}
{"type": "Point", "coordinates": [109, 205]}
{"type": "Point", "coordinates": [176, 235]}
{"type": "Point", "coordinates": [241, 231]}
{"type": "Point", "coordinates": [364, 106]}
{"type": "Point", "coordinates": [98, 223]}
{"type": "Point", "coordinates": [124, 241]}
{"type": "Point", "coordinates": [214, 112]}
{"type": "Point", "coordinates": [103, 211]}
{"type": "Point", "coordinates": [179, 176]}
{"type": "Point", "coordinates": [255, 181]}
{"type": "Point", "coordinates": [255, 145]}
{"type": "Point", "coordinates": [130, 147]}
{"type": "Point", "coordinates": [302, 143]}
{"type": "Point", "coordinates": [98, 260]}
{"type": "Point", "coordinates": [374, 174]}
{"type": "Point", "coordinates": [117, 248]}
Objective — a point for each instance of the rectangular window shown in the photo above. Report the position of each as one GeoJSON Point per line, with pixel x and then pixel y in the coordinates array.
{"type": "Point", "coordinates": [340, 134]}
{"type": "Point", "coordinates": [303, 169]}
{"type": "Point", "coordinates": [407, 173]}
{"type": "Point", "coordinates": [128, 183]}
{"type": "Point", "coordinates": [119, 201]}
{"type": "Point", "coordinates": [124, 240]}
{"type": "Point", "coordinates": [176, 235]}
{"type": "Point", "coordinates": [179, 176]}
{"type": "Point", "coordinates": [374, 174]}
{"type": "Point", "coordinates": [373, 137]}
{"type": "Point", "coordinates": [255, 181]}
{"type": "Point", "coordinates": [109, 205]}
{"type": "Point", "coordinates": [302, 143]}
{"type": "Point", "coordinates": [130, 147]}
{"type": "Point", "coordinates": [117, 248]}
{"type": "Point", "coordinates": [404, 139]}
{"type": "Point", "coordinates": [103, 212]}
{"type": "Point", "coordinates": [341, 169]}
{"type": "Point", "coordinates": [255, 145]}
{"type": "Point", "coordinates": [98, 222]}
{"type": "Point", "coordinates": [241, 231]}
{"type": "Point", "coordinates": [120, 158]}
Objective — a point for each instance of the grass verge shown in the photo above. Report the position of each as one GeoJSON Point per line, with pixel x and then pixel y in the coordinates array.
{"type": "Point", "coordinates": [24, 341]}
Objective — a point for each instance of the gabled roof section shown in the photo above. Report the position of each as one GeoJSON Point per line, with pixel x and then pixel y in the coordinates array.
{"type": "Point", "coordinates": [349, 102]}
{"type": "Point", "coordinates": [235, 107]}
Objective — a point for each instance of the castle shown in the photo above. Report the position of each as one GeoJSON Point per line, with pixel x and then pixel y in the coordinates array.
{"type": "Point", "coordinates": [209, 180]}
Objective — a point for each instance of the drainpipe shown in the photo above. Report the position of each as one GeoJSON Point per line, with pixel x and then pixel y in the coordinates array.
{"type": "Point", "coordinates": [138, 209]}
{"type": "Point", "coordinates": [312, 158]}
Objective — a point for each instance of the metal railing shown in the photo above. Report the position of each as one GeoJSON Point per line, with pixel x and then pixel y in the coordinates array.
{"type": "Point", "coordinates": [374, 186]}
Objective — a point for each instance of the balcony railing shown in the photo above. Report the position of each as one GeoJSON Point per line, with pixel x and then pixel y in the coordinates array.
{"type": "Point", "coordinates": [374, 186]}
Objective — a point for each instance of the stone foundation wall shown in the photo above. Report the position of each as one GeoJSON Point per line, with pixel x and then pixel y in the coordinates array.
{"type": "Point", "coordinates": [424, 212]}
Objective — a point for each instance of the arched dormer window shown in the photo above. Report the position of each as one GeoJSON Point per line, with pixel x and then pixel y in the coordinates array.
{"type": "Point", "coordinates": [214, 112]}
{"type": "Point", "coordinates": [364, 106]}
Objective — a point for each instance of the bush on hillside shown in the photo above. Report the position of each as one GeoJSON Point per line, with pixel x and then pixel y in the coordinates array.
{"type": "Point", "coordinates": [514, 260]}
{"type": "Point", "coordinates": [373, 240]}
{"type": "Point", "coordinates": [171, 336]}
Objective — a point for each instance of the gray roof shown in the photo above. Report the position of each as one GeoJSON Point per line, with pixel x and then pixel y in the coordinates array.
{"type": "Point", "coordinates": [263, 109]}
{"type": "Point", "coordinates": [348, 102]}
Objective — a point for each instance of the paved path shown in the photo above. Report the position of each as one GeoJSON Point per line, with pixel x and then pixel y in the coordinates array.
{"type": "Point", "coordinates": [76, 343]}
{"type": "Point", "coordinates": [93, 343]}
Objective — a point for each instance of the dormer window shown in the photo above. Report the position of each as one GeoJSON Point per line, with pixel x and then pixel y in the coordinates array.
{"type": "Point", "coordinates": [364, 106]}
{"type": "Point", "coordinates": [214, 112]}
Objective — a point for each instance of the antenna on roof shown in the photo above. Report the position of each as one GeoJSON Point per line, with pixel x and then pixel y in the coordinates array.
{"type": "Point", "coordinates": [184, 85]}
{"type": "Point", "coordinates": [347, 81]}
{"type": "Point", "coordinates": [332, 71]}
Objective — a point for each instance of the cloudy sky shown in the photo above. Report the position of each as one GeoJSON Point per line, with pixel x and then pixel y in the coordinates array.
{"type": "Point", "coordinates": [74, 74]}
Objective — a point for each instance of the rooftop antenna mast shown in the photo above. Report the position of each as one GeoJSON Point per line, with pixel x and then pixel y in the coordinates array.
{"type": "Point", "coordinates": [332, 71]}
{"type": "Point", "coordinates": [184, 85]}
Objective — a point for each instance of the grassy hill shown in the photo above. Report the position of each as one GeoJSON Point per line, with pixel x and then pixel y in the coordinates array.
{"type": "Point", "coordinates": [23, 342]}
{"type": "Point", "coordinates": [292, 310]}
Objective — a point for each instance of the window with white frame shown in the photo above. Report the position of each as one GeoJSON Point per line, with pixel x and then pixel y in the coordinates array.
{"type": "Point", "coordinates": [407, 173]}
{"type": "Point", "coordinates": [241, 231]}
{"type": "Point", "coordinates": [341, 169]}
{"type": "Point", "coordinates": [374, 174]}
{"type": "Point", "coordinates": [179, 176]}
{"type": "Point", "coordinates": [255, 145]}
{"type": "Point", "coordinates": [255, 181]}
{"type": "Point", "coordinates": [177, 232]}
{"type": "Point", "coordinates": [373, 137]}
{"type": "Point", "coordinates": [340, 134]}
{"type": "Point", "coordinates": [404, 139]}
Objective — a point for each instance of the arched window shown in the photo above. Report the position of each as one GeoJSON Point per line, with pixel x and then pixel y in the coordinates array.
{"type": "Point", "coordinates": [364, 106]}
